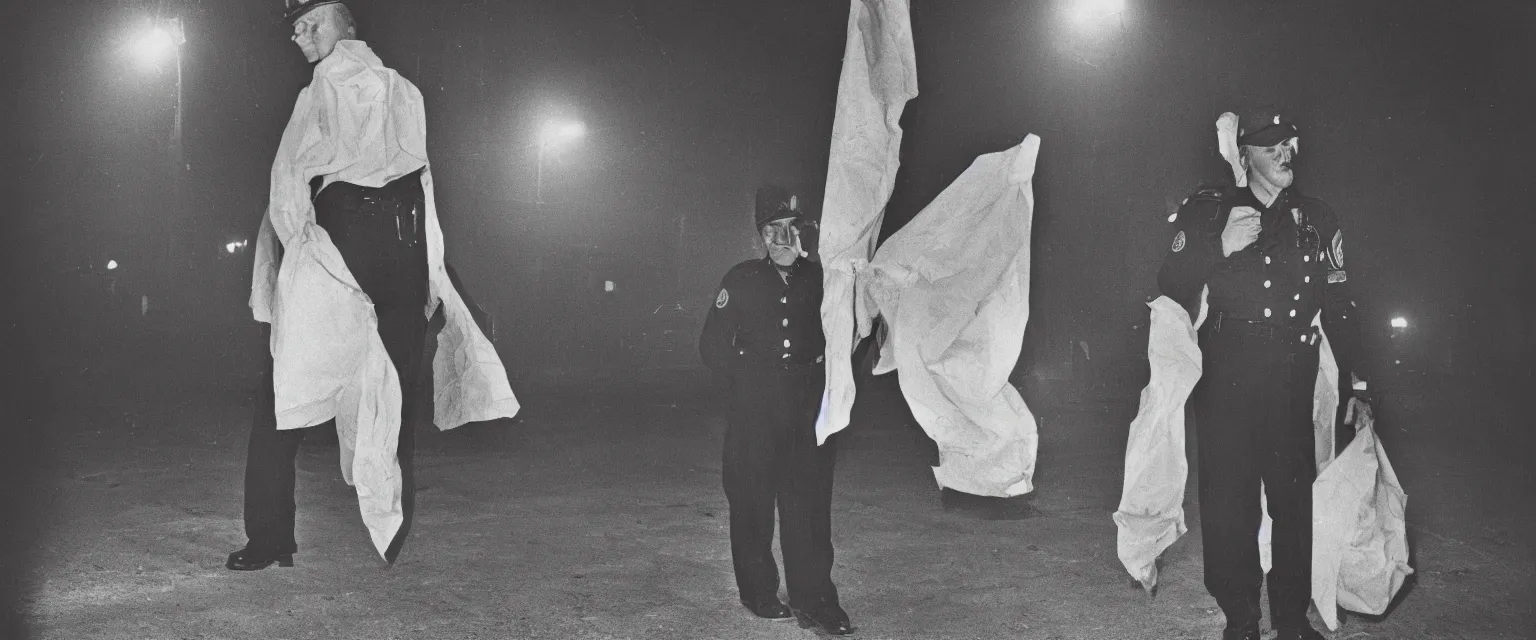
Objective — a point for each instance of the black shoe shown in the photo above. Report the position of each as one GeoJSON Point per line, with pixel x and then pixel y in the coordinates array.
{"type": "Point", "coordinates": [246, 560]}
{"type": "Point", "coordinates": [768, 607]}
{"type": "Point", "coordinates": [1249, 632]}
{"type": "Point", "coordinates": [828, 620]}
{"type": "Point", "coordinates": [1301, 633]}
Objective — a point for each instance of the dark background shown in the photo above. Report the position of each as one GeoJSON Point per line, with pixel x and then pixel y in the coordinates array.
{"type": "Point", "coordinates": [1415, 118]}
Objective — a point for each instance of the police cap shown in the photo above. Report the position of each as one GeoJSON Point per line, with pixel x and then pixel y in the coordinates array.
{"type": "Point", "coordinates": [775, 203]}
{"type": "Point", "coordinates": [296, 9]}
{"type": "Point", "coordinates": [1263, 127]}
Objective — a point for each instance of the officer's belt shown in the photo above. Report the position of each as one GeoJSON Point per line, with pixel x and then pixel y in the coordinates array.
{"type": "Point", "coordinates": [1308, 335]}
{"type": "Point", "coordinates": [400, 199]}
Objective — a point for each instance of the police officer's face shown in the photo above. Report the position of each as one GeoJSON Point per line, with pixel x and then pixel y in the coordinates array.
{"type": "Point", "coordinates": [317, 33]}
{"type": "Point", "coordinates": [1272, 164]}
{"type": "Point", "coordinates": [783, 241]}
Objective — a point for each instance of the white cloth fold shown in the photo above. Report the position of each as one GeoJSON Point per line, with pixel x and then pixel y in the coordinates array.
{"type": "Point", "coordinates": [879, 76]}
{"type": "Point", "coordinates": [359, 122]}
{"type": "Point", "coordinates": [1151, 513]}
{"type": "Point", "coordinates": [1359, 531]}
{"type": "Point", "coordinates": [952, 287]}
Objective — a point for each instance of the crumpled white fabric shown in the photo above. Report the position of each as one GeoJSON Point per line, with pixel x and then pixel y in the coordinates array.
{"type": "Point", "coordinates": [1151, 513]}
{"type": "Point", "coordinates": [953, 289]}
{"type": "Point", "coordinates": [879, 76]}
{"type": "Point", "coordinates": [1359, 541]}
{"type": "Point", "coordinates": [359, 122]}
{"type": "Point", "coordinates": [1359, 531]}
{"type": "Point", "coordinates": [1226, 144]}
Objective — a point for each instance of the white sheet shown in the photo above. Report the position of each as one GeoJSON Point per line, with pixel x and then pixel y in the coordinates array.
{"type": "Point", "coordinates": [1151, 513]}
{"type": "Point", "coordinates": [879, 76]}
{"type": "Point", "coordinates": [953, 289]}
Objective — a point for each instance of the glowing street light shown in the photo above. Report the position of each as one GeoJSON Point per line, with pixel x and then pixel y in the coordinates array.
{"type": "Point", "coordinates": [158, 39]}
{"type": "Point", "coordinates": [1086, 12]}
{"type": "Point", "coordinates": [162, 37]}
{"type": "Point", "coordinates": [558, 131]}
{"type": "Point", "coordinates": [111, 264]}
{"type": "Point", "coordinates": [1399, 323]}
{"type": "Point", "coordinates": [552, 133]}
{"type": "Point", "coordinates": [153, 46]}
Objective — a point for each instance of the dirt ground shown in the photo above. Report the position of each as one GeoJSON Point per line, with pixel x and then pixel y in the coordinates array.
{"type": "Point", "coordinates": [598, 513]}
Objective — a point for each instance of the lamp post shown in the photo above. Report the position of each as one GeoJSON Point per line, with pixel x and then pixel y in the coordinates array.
{"type": "Point", "coordinates": [160, 38]}
{"type": "Point", "coordinates": [549, 134]}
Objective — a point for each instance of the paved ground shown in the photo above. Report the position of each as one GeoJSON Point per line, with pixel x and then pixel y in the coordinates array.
{"type": "Point", "coordinates": [598, 514]}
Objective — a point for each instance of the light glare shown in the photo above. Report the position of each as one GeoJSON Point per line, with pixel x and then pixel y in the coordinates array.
{"type": "Point", "coordinates": [111, 264]}
{"type": "Point", "coordinates": [557, 131]}
{"type": "Point", "coordinates": [153, 46]}
{"type": "Point", "coordinates": [1089, 10]}
{"type": "Point", "coordinates": [1399, 323]}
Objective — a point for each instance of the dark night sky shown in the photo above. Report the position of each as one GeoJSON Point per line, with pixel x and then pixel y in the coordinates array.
{"type": "Point", "coordinates": [1414, 116]}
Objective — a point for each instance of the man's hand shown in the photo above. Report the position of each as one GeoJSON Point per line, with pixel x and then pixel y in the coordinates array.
{"type": "Point", "coordinates": [1242, 230]}
{"type": "Point", "coordinates": [1359, 414]}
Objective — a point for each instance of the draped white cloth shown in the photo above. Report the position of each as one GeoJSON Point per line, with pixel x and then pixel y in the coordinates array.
{"type": "Point", "coordinates": [953, 289]}
{"type": "Point", "coordinates": [359, 122]}
{"type": "Point", "coordinates": [879, 76]}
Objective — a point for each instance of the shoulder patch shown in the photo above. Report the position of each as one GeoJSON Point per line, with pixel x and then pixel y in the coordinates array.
{"type": "Point", "coordinates": [722, 299]}
{"type": "Point", "coordinates": [1178, 242]}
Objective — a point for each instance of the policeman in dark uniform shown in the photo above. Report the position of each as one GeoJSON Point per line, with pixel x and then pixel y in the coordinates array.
{"type": "Point", "coordinates": [1272, 259]}
{"type": "Point", "coordinates": [763, 335]}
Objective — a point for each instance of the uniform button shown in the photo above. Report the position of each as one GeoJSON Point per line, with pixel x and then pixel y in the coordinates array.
{"type": "Point", "coordinates": [1296, 297]}
{"type": "Point", "coordinates": [785, 322]}
{"type": "Point", "coordinates": [1293, 313]}
{"type": "Point", "coordinates": [1266, 259]}
{"type": "Point", "coordinates": [784, 299]}
{"type": "Point", "coordinates": [1266, 284]}
{"type": "Point", "coordinates": [1266, 313]}
{"type": "Point", "coordinates": [1306, 258]}
{"type": "Point", "coordinates": [1307, 279]}
{"type": "Point", "coordinates": [1303, 338]}
{"type": "Point", "coordinates": [786, 342]}
{"type": "Point", "coordinates": [785, 356]}
{"type": "Point", "coordinates": [742, 352]}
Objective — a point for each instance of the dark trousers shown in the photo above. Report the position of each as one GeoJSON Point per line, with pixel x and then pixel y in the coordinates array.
{"type": "Point", "coordinates": [380, 235]}
{"type": "Point", "coordinates": [771, 460]}
{"type": "Point", "coordinates": [1253, 420]}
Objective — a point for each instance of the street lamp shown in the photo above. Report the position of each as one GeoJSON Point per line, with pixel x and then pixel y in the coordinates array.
{"type": "Point", "coordinates": [163, 37]}
{"type": "Point", "coordinates": [552, 133]}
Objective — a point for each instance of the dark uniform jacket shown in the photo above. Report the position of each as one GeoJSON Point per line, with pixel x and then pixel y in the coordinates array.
{"type": "Point", "coordinates": [1295, 268]}
{"type": "Point", "coordinates": [760, 322]}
